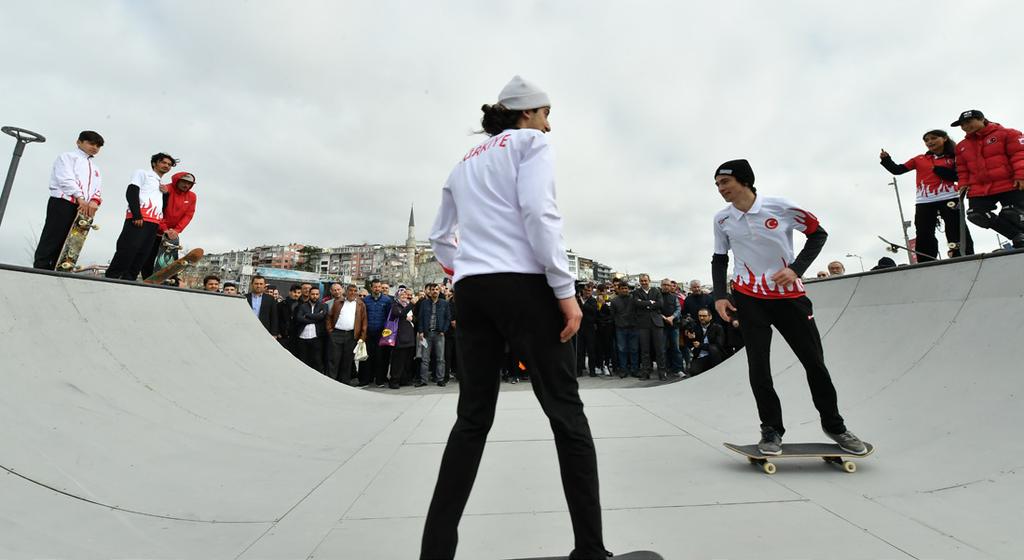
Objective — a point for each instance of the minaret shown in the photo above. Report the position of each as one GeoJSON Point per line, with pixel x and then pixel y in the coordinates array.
{"type": "Point", "coordinates": [410, 245]}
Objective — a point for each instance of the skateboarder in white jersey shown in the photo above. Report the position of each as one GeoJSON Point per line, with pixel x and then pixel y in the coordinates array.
{"type": "Point", "coordinates": [768, 292]}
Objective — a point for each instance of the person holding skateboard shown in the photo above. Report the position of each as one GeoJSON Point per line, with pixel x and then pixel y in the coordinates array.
{"type": "Point", "coordinates": [179, 203]}
{"type": "Point", "coordinates": [936, 188]}
{"type": "Point", "coordinates": [145, 212]}
{"type": "Point", "coordinates": [75, 187]}
{"type": "Point", "coordinates": [499, 231]}
{"type": "Point", "coordinates": [990, 164]}
{"type": "Point", "coordinates": [768, 292]}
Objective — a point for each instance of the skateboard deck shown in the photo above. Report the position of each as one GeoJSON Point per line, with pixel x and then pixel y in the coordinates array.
{"type": "Point", "coordinates": [635, 555]}
{"type": "Point", "coordinates": [191, 258]}
{"type": "Point", "coordinates": [167, 253]}
{"type": "Point", "coordinates": [829, 452]}
{"type": "Point", "coordinates": [896, 248]}
{"type": "Point", "coordinates": [73, 243]}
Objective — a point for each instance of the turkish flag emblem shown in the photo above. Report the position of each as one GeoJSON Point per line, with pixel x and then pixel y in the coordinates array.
{"type": "Point", "coordinates": [771, 223]}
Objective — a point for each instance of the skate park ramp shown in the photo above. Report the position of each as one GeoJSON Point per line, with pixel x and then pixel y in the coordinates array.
{"type": "Point", "coordinates": [145, 422]}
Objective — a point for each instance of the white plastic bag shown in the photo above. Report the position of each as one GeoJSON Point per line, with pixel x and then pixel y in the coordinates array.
{"type": "Point", "coordinates": [360, 351]}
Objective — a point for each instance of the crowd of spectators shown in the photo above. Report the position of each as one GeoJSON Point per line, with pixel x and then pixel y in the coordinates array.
{"type": "Point", "coordinates": [360, 336]}
{"type": "Point", "coordinates": [407, 337]}
{"type": "Point", "coordinates": [640, 331]}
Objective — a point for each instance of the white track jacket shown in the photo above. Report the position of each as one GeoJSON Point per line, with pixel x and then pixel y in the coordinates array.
{"type": "Point", "coordinates": [75, 175]}
{"type": "Point", "coordinates": [498, 213]}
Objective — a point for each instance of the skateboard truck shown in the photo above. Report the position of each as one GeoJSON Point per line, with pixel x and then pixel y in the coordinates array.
{"type": "Point", "coordinates": [23, 137]}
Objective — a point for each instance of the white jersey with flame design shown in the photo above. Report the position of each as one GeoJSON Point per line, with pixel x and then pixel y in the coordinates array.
{"type": "Point", "coordinates": [761, 240]}
{"type": "Point", "coordinates": [151, 200]}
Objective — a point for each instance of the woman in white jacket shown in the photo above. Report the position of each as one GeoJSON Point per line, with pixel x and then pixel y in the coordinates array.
{"type": "Point", "coordinates": [499, 231]}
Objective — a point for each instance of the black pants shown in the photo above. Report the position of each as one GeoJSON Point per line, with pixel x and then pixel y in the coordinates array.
{"type": "Point", "coordinates": [133, 247]}
{"type": "Point", "coordinates": [606, 344]}
{"type": "Point", "coordinates": [401, 365]}
{"type": "Point", "coordinates": [1007, 228]}
{"type": "Point", "coordinates": [150, 259]}
{"type": "Point", "coordinates": [926, 218]}
{"type": "Point", "coordinates": [310, 351]}
{"type": "Point", "coordinates": [60, 215]}
{"type": "Point", "coordinates": [794, 319]}
{"type": "Point", "coordinates": [652, 348]}
{"type": "Point", "coordinates": [700, 365]}
{"type": "Point", "coordinates": [291, 343]}
{"type": "Point", "coordinates": [339, 355]}
{"type": "Point", "coordinates": [586, 347]}
{"type": "Point", "coordinates": [375, 368]}
{"type": "Point", "coordinates": [449, 354]}
{"type": "Point", "coordinates": [531, 328]}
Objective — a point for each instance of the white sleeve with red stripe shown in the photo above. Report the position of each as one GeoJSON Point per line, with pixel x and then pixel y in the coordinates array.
{"type": "Point", "coordinates": [803, 221]}
{"type": "Point", "coordinates": [97, 186]}
{"type": "Point", "coordinates": [444, 235]}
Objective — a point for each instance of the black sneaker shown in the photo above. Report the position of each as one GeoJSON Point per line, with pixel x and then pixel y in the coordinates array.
{"type": "Point", "coordinates": [849, 442]}
{"type": "Point", "coordinates": [771, 442]}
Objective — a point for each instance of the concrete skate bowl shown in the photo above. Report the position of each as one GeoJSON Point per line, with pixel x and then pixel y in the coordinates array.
{"type": "Point", "coordinates": [155, 423]}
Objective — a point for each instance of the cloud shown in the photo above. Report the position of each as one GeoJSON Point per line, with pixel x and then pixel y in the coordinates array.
{"type": "Point", "coordinates": [322, 122]}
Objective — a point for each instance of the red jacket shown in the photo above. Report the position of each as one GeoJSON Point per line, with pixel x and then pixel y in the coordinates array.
{"type": "Point", "coordinates": [990, 159]}
{"type": "Point", "coordinates": [179, 206]}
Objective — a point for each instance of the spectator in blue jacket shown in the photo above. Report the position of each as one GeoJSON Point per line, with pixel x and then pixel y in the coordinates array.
{"type": "Point", "coordinates": [433, 318]}
{"type": "Point", "coordinates": [378, 307]}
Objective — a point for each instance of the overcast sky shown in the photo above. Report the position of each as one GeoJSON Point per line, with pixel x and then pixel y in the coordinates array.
{"type": "Point", "coordinates": [321, 122]}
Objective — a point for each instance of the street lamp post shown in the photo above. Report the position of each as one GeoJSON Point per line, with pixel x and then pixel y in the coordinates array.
{"type": "Point", "coordinates": [904, 224]}
{"type": "Point", "coordinates": [851, 255]}
{"type": "Point", "coordinates": [22, 137]}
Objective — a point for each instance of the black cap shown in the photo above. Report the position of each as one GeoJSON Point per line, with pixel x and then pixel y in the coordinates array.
{"type": "Point", "coordinates": [972, 114]}
{"type": "Point", "coordinates": [738, 168]}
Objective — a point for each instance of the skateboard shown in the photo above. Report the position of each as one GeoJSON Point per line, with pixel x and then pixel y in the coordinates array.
{"type": "Point", "coordinates": [190, 258]}
{"type": "Point", "coordinates": [73, 243]}
{"type": "Point", "coordinates": [167, 253]}
{"type": "Point", "coordinates": [896, 248]}
{"type": "Point", "coordinates": [828, 452]}
{"type": "Point", "coordinates": [961, 203]}
{"type": "Point", "coordinates": [635, 555]}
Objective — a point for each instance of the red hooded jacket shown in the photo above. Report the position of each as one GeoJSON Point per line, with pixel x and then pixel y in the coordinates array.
{"type": "Point", "coordinates": [989, 160]}
{"type": "Point", "coordinates": [179, 207]}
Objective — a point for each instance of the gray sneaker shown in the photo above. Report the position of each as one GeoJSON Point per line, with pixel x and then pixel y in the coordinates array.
{"type": "Point", "coordinates": [771, 442]}
{"type": "Point", "coordinates": [849, 442]}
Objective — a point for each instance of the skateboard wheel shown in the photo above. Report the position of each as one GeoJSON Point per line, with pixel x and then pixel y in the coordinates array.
{"type": "Point", "coordinates": [849, 466]}
{"type": "Point", "coordinates": [951, 204]}
{"type": "Point", "coordinates": [66, 265]}
{"type": "Point", "coordinates": [769, 468]}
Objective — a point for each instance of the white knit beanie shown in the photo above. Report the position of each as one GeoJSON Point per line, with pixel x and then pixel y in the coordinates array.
{"type": "Point", "coordinates": [520, 95]}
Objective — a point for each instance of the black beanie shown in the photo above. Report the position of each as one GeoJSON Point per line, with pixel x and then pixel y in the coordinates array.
{"type": "Point", "coordinates": [738, 168]}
